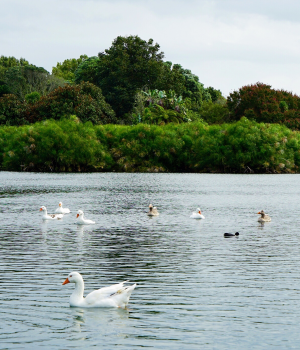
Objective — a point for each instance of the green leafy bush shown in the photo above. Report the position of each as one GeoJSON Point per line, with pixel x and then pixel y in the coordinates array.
{"type": "Point", "coordinates": [53, 146]}
{"type": "Point", "coordinates": [68, 145]}
{"type": "Point", "coordinates": [85, 101]}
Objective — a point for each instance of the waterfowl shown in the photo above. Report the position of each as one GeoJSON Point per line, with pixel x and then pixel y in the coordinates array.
{"type": "Point", "coordinates": [197, 215]}
{"type": "Point", "coordinates": [264, 217]}
{"type": "Point", "coordinates": [114, 296]}
{"type": "Point", "coordinates": [81, 220]}
{"type": "Point", "coordinates": [226, 234]}
{"type": "Point", "coordinates": [61, 210]}
{"type": "Point", "coordinates": [152, 211]}
{"type": "Point", "coordinates": [47, 216]}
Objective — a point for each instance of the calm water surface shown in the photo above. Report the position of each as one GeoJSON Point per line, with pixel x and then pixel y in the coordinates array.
{"type": "Point", "coordinates": [196, 289]}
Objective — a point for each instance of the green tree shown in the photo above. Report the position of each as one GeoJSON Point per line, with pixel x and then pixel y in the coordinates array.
{"type": "Point", "coordinates": [5, 64]}
{"type": "Point", "coordinates": [262, 103]}
{"type": "Point", "coordinates": [127, 66]}
{"type": "Point", "coordinates": [66, 70]}
{"type": "Point", "coordinates": [22, 80]}
{"type": "Point", "coordinates": [8, 62]}
{"type": "Point", "coordinates": [87, 70]}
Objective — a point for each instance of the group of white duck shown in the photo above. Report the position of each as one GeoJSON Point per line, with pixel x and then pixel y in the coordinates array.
{"type": "Point", "coordinates": [60, 212]}
{"type": "Point", "coordinates": [116, 295]}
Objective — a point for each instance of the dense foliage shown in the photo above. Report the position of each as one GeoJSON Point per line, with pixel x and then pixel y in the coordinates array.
{"type": "Point", "coordinates": [67, 68]}
{"type": "Point", "coordinates": [132, 65]}
{"type": "Point", "coordinates": [85, 100]}
{"type": "Point", "coordinates": [264, 104]}
{"type": "Point", "coordinates": [20, 78]}
{"type": "Point", "coordinates": [244, 146]}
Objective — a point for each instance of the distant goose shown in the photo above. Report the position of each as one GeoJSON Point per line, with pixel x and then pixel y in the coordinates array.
{"type": "Point", "coordinates": [47, 216]}
{"type": "Point", "coordinates": [81, 220]}
{"type": "Point", "coordinates": [152, 211]}
{"type": "Point", "coordinates": [197, 215]}
{"type": "Point", "coordinates": [264, 217]}
{"type": "Point", "coordinates": [61, 210]}
{"type": "Point", "coordinates": [230, 234]}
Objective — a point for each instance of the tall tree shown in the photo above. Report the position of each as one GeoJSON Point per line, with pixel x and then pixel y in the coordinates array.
{"type": "Point", "coordinates": [22, 80]}
{"type": "Point", "coordinates": [128, 65]}
{"type": "Point", "coordinates": [66, 70]}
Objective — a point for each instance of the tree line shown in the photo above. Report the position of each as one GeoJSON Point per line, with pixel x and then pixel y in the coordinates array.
{"type": "Point", "coordinates": [130, 83]}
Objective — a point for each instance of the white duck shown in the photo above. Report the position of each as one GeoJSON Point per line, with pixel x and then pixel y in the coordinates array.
{"type": "Point", "coordinates": [81, 220]}
{"type": "Point", "coordinates": [61, 210]}
{"type": "Point", "coordinates": [197, 215]}
{"type": "Point", "coordinates": [47, 216]}
{"type": "Point", "coordinates": [114, 296]}
{"type": "Point", "coordinates": [152, 211]}
{"type": "Point", "coordinates": [263, 217]}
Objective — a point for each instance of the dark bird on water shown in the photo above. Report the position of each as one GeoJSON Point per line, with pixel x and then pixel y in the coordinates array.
{"type": "Point", "coordinates": [230, 234]}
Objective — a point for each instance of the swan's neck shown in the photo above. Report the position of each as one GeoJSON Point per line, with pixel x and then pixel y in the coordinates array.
{"type": "Point", "coordinates": [77, 295]}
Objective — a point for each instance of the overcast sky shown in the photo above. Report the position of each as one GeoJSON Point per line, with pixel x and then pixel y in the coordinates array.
{"type": "Point", "coordinates": [227, 43]}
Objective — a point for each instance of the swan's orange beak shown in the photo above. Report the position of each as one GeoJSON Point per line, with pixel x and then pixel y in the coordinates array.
{"type": "Point", "coordinates": [77, 215]}
{"type": "Point", "coordinates": [41, 209]}
{"type": "Point", "coordinates": [259, 212]}
{"type": "Point", "coordinates": [66, 281]}
{"type": "Point", "coordinates": [199, 211]}
{"type": "Point", "coordinates": [59, 205]}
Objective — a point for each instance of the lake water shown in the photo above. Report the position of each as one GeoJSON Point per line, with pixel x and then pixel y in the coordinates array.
{"type": "Point", "coordinates": [195, 288]}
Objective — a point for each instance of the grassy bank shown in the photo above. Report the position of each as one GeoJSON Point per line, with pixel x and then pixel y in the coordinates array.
{"type": "Point", "coordinates": [68, 145]}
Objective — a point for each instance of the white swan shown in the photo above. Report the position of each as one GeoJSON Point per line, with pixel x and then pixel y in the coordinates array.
{"type": "Point", "coordinates": [152, 211]}
{"type": "Point", "coordinates": [81, 220]}
{"type": "Point", "coordinates": [114, 296]}
{"type": "Point", "coordinates": [61, 210]}
{"type": "Point", "coordinates": [264, 217]}
{"type": "Point", "coordinates": [47, 216]}
{"type": "Point", "coordinates": [197, 215]}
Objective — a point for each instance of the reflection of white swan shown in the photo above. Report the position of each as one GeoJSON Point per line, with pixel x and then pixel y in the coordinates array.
{"type": "Point", "coordinates": [263, 217]}
{"type": "Point", "coordinates": [61, 210]}
{"type": "Point", "coordinates": [152, 211]}
{"type": "Point", "coordinates": [197, 215]}
{"type": "Point", "coordinates": [114, 296]}
{"type": "Point", "coordinates": [81, 220]}
{"type": "Point", "coordinates": [44, 226]}
{"type": "Point", "coordinates": [47, 216]}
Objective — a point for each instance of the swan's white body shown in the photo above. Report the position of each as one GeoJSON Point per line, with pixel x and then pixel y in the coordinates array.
{"type": "Point", "coordinates": [81, 220]}
{"type": "Point", "coordinates": [264, 217]}
{"type": "Point", "coordinates": [114, 296]}
{"type": "Point", "coordinates": [197, 215]}
{"type": "Point", "coordinates": [61, 210]}
{"type": "Point", "coordinates": [152, 211]}
{"type": "Point", "coordinates": [47, 216]}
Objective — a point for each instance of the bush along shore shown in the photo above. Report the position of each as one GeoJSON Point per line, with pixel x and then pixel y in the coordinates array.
{"type": "Point", "coordinates": [71, 146]}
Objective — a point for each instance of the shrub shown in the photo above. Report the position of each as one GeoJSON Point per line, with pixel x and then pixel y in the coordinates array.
{"type": "Point", "coordinates": [66, 145]}
{"type": "Point", "coordinates": [85, 101]}
{"type": "Point", "coordinates": [53, 146]}
{"type": "Point", "coordinates": [261, 103]}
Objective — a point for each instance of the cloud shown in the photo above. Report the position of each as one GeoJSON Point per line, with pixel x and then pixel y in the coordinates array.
{"type": "Point", "coordinates": [227, 43]}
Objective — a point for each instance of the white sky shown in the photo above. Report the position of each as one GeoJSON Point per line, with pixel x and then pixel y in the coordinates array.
{"type": "Point", "coordinates": [227, 43]}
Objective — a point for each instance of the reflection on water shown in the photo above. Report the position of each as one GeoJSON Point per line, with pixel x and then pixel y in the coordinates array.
{"type": "Point", "coordinates": [195, 289]}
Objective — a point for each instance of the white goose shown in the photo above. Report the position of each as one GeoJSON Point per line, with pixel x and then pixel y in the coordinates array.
{"type": "Point", "coordinates": [61, 210]}
{"type": "Point", "coordinates": [47, 216]}
{"type": "Point", "coordinates": [81, 220]}
{"type": "Point", "coordinates": [114, 296]}
{"type": "Point", "coordinates": [152, 211]}
{"type": "Point", "coordinates": [197, 215]}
